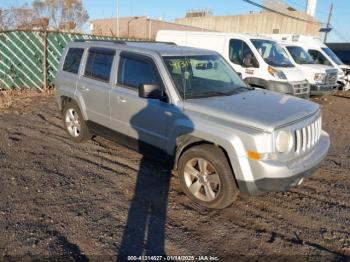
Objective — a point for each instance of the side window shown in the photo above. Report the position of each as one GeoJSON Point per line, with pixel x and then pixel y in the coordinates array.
{"type": "Point", "coordinates": [239, 50]}
{"type": "Point", "coordinates": [133, 72]}
{"type": "Point", "coordinates": [73, 58]}
{"type": "Point", "coordinates": [235, 51]}
{"type": "Point", "coordinates": [318, 57]}
{"type": "Point", "coordinates": [248, 53]}
{"type": "Point", "coordinates": [99, 64]}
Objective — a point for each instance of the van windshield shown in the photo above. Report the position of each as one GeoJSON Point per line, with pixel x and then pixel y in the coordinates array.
{"type": "Point", "coordinates": [272, 53]}
{"type": "Point", "coordinates": [332, 55]}
{"type": "Point", "coordinates": [203, 76]}
{"type": "Point", "coordinates": [299, 55]}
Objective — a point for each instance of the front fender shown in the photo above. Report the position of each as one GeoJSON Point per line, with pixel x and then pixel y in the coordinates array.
{"type": "Point", "coordinates": [224, 138]}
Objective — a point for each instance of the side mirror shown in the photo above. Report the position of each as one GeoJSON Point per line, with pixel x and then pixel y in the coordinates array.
{"type": "Point", "coordinates": [151, 91]}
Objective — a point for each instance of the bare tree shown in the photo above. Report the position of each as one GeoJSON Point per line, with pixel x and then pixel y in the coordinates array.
{"type": "Point", "coordinates": [69, 15]}
{"type": "Point", "coordinates": [61, 13]}
{"type": "Point", "coordinates": [4, 19]}
{"type": "Point", "coordinates": [15, 17]}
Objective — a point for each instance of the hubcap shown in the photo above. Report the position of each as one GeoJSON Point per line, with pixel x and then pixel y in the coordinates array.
{"type": "Point", "coordinates": [201, 179]}
{"type": "Point", "coordinates": [73, 122]}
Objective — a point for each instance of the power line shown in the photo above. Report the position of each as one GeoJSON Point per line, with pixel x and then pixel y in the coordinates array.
{"type": "Point", "coordinates": [280, 13]}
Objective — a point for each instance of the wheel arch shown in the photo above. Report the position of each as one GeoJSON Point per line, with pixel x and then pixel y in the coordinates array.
{"type": "Point", "coordinates": [186, 142]}
{"type": "Point", "coordinates": [78, 100]}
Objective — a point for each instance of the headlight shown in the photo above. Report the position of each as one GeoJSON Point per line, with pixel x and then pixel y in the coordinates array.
{"type": "Point", "coordinates": [284, 141]}
{"type": "Point", "coordinates": [320, 78]}
{"type": "Point", "coordinates": [276, 73]}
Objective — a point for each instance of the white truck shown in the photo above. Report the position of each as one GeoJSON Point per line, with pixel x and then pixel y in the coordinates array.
{"type": "Point", "coordinates": [322, 78]}
{"type": "Point", "coordinates": [321, 54]}
{"type": "Point", "coordinates": [259, 60]}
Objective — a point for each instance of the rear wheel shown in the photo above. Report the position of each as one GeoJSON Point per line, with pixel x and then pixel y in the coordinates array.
{"type": "Point", "coordinates": [206, 177]}
{"type": "Point", "coordinates": [74, 123]}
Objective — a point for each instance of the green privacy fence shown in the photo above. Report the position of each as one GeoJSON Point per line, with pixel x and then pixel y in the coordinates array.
{"type": "Point", "coordinates": [29, 59]}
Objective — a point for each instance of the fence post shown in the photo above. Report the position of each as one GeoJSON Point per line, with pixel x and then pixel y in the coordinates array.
{"type": "Point", "coordinates": [44, 61]}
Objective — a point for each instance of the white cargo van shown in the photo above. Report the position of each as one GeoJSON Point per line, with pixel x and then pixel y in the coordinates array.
{"type": "Point", "coordinates": [322, 79]}
{"type": "Point", "coordinates": [321, 54]}
{"type": "Point", "coordinates": [259, 60]}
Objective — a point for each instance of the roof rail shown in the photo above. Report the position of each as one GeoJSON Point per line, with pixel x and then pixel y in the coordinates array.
{"type": "Point", "coordinates": [151, 42]}
{"type": "Point", "coordinates": [100, 40]}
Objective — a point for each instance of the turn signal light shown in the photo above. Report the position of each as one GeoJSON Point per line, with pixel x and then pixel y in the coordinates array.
{"type": "Point", "coordinates": [253, 155]}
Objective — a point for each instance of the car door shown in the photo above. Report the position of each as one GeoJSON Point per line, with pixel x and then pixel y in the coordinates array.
{"type": "Point", "coordinates": [142, 119]}
{"type": "Point", "coordinates": [66, 79]}
{"type": "Point", "coordinates": [95, 84]}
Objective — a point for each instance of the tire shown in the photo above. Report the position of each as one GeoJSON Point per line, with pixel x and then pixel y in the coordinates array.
{"type": "Point", "coordinates": [74, 123]}
{"type": "Point", "coordinates": [218, 177]}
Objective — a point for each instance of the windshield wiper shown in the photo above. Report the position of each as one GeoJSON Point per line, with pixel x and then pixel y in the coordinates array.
{"type": "Point", "coordinates": [236, 90]}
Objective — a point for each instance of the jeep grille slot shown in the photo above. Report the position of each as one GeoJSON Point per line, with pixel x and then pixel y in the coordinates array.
{"type": "Point", "coordinates": [307, 137]}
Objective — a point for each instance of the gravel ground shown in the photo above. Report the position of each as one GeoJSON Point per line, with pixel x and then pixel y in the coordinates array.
{"type": "Point", "coordinates": [101, 201]}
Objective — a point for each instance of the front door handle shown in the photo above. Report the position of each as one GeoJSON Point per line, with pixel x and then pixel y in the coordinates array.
{"type": "Point", "coordinates": [84, 88]}
{"type": "Point", "coordinates": [121, 99]}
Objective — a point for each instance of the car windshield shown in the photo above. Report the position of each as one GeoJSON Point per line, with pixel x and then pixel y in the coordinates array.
{"type": "Point", "coordinates": [332, 55]}
{"type": "Point", "coordinates": [203, 76]}
{"type": "Point", "coordinates": [299, 55]}
{"type": "Point", "coordinates": [272, 53]}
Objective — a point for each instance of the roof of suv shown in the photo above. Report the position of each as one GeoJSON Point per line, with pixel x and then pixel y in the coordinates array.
{"type": "Point", "coordinates": [161, 48]}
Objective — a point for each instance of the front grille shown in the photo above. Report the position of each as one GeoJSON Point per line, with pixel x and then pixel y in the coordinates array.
{"type": "Point", "coordinates": [332, 78]}
{"type": "Point", "coordinates": [301, 88]}
{"type": "Point", "coordinates": [305, 138]}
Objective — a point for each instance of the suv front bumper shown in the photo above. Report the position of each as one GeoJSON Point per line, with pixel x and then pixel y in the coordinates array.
{"type": "Point", "coordinates": [275, 176]}
{"type": "Point", "coordinates": [320, 90]}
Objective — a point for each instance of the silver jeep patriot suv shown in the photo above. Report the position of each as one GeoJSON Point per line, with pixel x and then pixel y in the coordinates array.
{"type": "Point", "coordinates": [222, 136]}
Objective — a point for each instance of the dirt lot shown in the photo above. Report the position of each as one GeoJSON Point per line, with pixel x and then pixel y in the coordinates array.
{"type": "Point", "coordinates": [96, 200]}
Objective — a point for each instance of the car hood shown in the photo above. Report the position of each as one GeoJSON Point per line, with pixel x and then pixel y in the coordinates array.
{"type": "Point", "coordinates": [292, 73]}
{"type": "Point", "coordinates": [259, 109]}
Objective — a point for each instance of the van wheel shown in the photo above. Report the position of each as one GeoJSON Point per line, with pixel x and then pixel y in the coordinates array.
{"type": "Point", "coordinates": [74, 123]}
{"type": "Point", "coordinates": [206, 177]}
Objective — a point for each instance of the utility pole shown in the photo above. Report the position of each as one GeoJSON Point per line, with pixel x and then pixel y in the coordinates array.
{"type": "Point", "coordinates": [328, 23]}
{"type": "Point", "coordinates": [117, 18]}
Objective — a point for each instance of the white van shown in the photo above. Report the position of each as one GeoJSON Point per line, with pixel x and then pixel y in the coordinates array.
{"type": "Point", "coordinates": [260, 60]}
{"type": "Point", "coordinates": [321, 54]}
{"type": "Point", "coordinates": [323, 79]}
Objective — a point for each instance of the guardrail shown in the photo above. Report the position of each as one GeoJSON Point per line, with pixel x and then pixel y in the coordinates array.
{"type": "Point", "coordinates": [29, 59]}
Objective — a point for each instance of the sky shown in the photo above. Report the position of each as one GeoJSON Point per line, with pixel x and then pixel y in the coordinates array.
{"type": "Point", "coordinates": [169, 10]}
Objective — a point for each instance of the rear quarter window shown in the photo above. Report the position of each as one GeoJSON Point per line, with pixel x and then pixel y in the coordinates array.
{"type": "Point", "coordinates": [72, 61]}
{"type": "Point", "coordinates": [99, 64]}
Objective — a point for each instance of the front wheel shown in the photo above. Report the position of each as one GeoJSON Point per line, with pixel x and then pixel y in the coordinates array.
{"type": "Point", "coordinates": [206, 177]}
